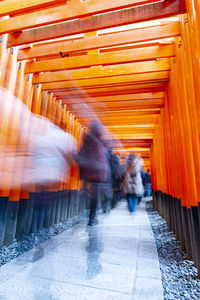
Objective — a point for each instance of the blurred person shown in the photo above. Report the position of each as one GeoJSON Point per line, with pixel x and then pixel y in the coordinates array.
{"type": "Point", "coordinates": [132, 184]}
{"type": "Point", "coordinates": [148, 184]}
{"type": "Point", "coordinates": [92, 165]}
{"type": "Point", "coordinates": [122, 175]}
{"type": "Point", "coordinates": [34, 151]}
{"type": "Point", "coordinates": [123, 168]}
{"type": "Point", "coordinates": [106, 187]}
{"type": "Point", "coordinates": [143, 176]}
{"type": "Point", "coordinates": [116, 178]}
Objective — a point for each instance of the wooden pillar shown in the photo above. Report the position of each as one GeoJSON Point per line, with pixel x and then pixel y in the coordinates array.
{"type": "Point", "coordinates": [13, 125]}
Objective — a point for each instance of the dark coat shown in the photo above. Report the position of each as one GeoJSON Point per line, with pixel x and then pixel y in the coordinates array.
{"type": "Point", "coordinates": [92, 159]}
{"type": "Point", "coordinates": [143, 175]}
{"type": "Point", "coordinates": [148, 177]}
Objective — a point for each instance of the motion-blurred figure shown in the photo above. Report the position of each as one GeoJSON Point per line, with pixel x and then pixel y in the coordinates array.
{"type": "Point", "coordinates": [106, 187]}
{"type": "Point", "coordinates": [33, 151]}
{"type": "Point", "coordinates": [148, 184]}
{"type": "Point", "coordinates": [143, 176]}
{"type": "Point", "coordinates": [92, 164]}
{"type": "Point", "coordinates": [132, 185]}
{"type": "Point", "coordinates": [116, 178]}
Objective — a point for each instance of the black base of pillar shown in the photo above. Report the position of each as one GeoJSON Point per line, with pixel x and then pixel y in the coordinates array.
{"type": "Point", "coordinates": [53, 197]}
{"type": "Point", "coordinates": [76, 202]}
{"type": "Point", "coordinates": [11, 222]}
{"type": "Point", "coordinates": [195, 234]}
{"type": "Point", "coordinates": [47, 200]}
{"type": "Point", "coordinates": [22, 219]}
{"type": "Point", "coordinates": [38, 212]}
{"type": "Point", "coordinates": [187, 235]}
{"type": "Point", "coordinates": [58, 207]}
{"type": "Point", "coordinates": [29, 213]}
{"type": "Point", "coordinates": [3, 214]}
{"type": "Point", "coordinates": [63, 205]}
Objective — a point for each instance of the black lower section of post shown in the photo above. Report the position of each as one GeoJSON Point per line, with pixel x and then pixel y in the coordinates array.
{"type": "Point", "coordinates": [41, 210]}
{"type": "Point", "coordinates": [21, 219]}
{"type": "Point", "coordinates": [183, 221]}
{"type": "Point", "coordinates": [3, 216]}
{"type": "Point", "coordinates": [11, 222]}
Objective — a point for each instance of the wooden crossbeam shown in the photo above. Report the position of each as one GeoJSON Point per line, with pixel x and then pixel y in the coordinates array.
{"type": "Point", "coordinates": [72, 10]}
{"type": "Point", "coordinates": [143, 151]}
{"type": "Point", "coordinates": [136, 119]}
{"type": "Point", "coordinates": [132, 15]}
{"type": "Point", "coordinates": [139, 149]}
{"type": "Point", "coordinates": [13, 7]}
{"type": "Point", "coordinates": [114, 93]}
{"type": "Point", "coordinates": [129, 97]}
{"type": "Point", "coordinates": [95, 42]}
{"type": "Point", "coordinates": [123, 105]}
{"type": "Point", "coordinates": [87, 83]}
{"type": "Point", "coordinates": [124, 56]}
{"type": "Point", "coordinates": [150, 119]}
{"type": "Point", "coordinates": [106, 71]}
{"type": "Point", "coordinates": [136, 142]}
{"type": "Point", "coordinates": [129, 46]}
{"type": "Point", "coordinates": [136, 136]}
{"type": "Point", "coordinates": [119, 90]}
{"type": "Point", "coordinates": [136, 129]}
{"type": "Point", "coordinates": [118, 113]}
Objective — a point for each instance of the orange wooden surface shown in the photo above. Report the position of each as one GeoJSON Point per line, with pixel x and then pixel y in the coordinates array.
{"type": "Point", "coordinates": [72, 10]}
{"type": "Point", "coordinates": [104, 71]}
{"type": "Point", "coordinates": [104, 41]}
{"type": "Point", "coordinates": [100, 21]}
{"type": "Point", "coordinates": [125, 79]}
{"type": "Point", "coordinates": [134, 55]}
{"type": "Point", "coordinates": [13, 7]}
{"type": "Point", "coordinates": [143, 88]}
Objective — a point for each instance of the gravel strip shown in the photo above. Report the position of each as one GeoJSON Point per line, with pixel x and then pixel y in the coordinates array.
{"type": "Point", "coordinates": [179, 275]}
{"type": "Point", "coordinates": [7, 253]}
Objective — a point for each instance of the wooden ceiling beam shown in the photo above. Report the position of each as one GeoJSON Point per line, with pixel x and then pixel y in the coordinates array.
{"type": "Point", "coordinates": [13, 7]}
{"type": "Point", "coordinates": [136, 142]}
{"type": "Point", "coordinates": [129, 97]}
{"type": "Point", "coordinates": [116, 90]}
{"type": "Point", "coordinates": [87, 83]}
{"type": "Point", "coordinates": [106, 71]}
{"type": "Point", "coordinates": [124, 56]}
{"type": "Point", "coordinates": [136, 136]}
{"type": "Point", "coordinates": [139, 119]}
{"type": "Point", "coordinates": [129, 130]}
{"type": "Point", "coordinates": [72, 10]}
{"type": "Point", "coordinates": [137, 104]}
{"type": "Point", "coordinates": [122, 17]}
{"type": "Point", "coordinates": [118, 113]}
{"type": "Point", "coordinates": [111, 104]}
{"type": "Point", "coordinates": [103, 41]}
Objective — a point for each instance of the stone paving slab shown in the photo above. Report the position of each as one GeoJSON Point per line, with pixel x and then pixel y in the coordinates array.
{"type": "Point", "coordinates": [116, 259]}
{"type": "Point", "coordinates": [44, 289]}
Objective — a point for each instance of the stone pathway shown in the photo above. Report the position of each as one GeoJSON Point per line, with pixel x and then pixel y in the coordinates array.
{"type": "Point", "coordinates": [116, 259]}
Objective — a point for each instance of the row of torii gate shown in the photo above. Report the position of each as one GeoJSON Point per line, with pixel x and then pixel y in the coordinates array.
{"type": "Point", "coordinates": [134, 64]}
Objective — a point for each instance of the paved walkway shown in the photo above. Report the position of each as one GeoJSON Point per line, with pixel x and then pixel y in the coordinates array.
{"type": "Point", "coordinates": [116, 259]}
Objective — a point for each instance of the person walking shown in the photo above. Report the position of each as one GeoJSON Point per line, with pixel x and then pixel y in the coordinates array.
{"type": "Point", "coordinates": [92, 165]}
{"type": "Point", "coordinates": [132, 184]}
{"type": "Point", "coordinates": [106, 187]}
{"type": "Point", "coordinates": [148, 184]}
